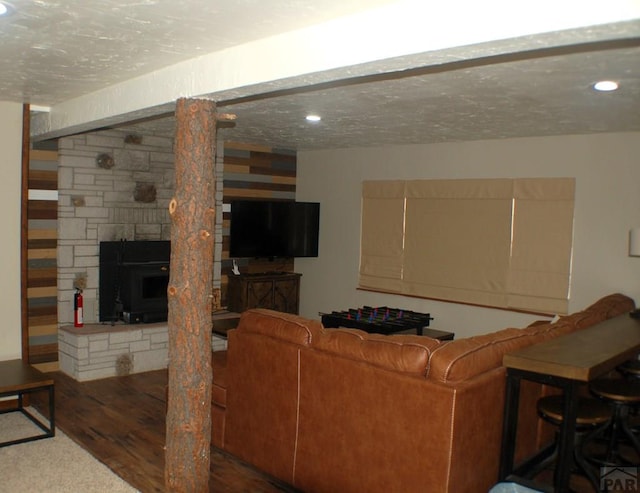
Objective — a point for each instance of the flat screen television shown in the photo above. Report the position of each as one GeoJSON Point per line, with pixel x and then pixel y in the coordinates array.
{"type": "Point", "coordinates": [269, 229]}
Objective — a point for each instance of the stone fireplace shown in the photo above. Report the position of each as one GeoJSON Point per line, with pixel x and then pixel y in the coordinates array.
{"type": "Point", "coordinates": [116, 185]}
{"type": "Point", "coordinates": [113, 186]}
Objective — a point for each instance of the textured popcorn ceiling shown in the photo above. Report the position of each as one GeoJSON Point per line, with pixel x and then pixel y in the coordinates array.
{"type": "Point", "coordinates": [55, 51]}
{"type": "Point", "coordinates": [519, 97]}
{"type": "Point", "coordinates": [530, 97]}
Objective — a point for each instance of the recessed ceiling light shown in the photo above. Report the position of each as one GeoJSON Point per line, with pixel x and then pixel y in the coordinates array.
{"type": "Point", "coordinates": [605, 85]}
{"type": "Point", "coordinates": [313, 118]}
{"type": "Point", "coordinates": [5, 9]}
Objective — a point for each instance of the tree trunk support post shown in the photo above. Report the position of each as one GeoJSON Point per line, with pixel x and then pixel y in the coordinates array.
{"type": "Point", "coordinates": [190, 290]}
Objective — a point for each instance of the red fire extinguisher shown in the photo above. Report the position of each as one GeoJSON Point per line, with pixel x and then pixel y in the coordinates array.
{"type": "Point", "coordinates": [77, 309]}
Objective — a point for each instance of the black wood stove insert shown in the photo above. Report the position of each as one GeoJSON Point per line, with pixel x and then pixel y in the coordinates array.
{"type": "Point", "coordinates": [133, 281]}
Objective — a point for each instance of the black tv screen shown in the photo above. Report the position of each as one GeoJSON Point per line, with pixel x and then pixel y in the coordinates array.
{"type": "Point", "coordinates": [269, 229]}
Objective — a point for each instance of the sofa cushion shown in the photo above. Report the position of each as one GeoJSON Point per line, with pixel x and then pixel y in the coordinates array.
{"type": "Point", "coordinates": [402, 353]}
{"type": "Point", "coordinates": [464, 358]}
{"type": "Point", "coordinates": [283, 326]}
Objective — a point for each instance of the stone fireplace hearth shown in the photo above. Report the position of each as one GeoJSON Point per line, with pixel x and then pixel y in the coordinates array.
{"type": "Point", "coordinates": [102, 351]}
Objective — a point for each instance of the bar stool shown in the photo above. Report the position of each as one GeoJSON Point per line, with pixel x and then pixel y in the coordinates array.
{"type": "Point", "coordinates": [630, 368]}
{"type": "Point", "coordinates": [593, 414]}
{"type": "Point", "coordinates": [622, 394]}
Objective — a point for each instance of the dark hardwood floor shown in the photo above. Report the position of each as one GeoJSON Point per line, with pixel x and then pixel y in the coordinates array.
{"type": "Point", "coordinates": [121, 421]}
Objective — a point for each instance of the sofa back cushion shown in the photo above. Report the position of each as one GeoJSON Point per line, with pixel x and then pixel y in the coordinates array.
{"type": "Point", "coordinates": [543, 332]}
{"type": "Point", "coordinates": [605, 308]}
{"type": "Point", "coordinates": [284, 326]}
{"type": "Point", "coordinates": [464, 358]}
{"type": "Point", "coordinates": [401, 353]}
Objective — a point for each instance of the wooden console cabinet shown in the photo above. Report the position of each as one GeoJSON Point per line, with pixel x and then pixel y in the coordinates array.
{"type": "Point", "coordinates": [277, 291]}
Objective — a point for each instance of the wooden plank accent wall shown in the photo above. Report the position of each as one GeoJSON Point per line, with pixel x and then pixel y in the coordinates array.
{"type": "Point", "coordinates": [255, 172]}
{"type": "Point", "coordinates": [42, 214]}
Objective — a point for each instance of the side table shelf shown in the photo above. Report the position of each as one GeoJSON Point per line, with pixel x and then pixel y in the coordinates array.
{"type": "Point", "coordinates": [18, 378]}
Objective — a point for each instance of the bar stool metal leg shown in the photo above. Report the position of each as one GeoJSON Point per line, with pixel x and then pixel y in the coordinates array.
{"type": "Point", "coordinates": [621, 394]}
{"type": "Point", "coordinates": [592, 415]}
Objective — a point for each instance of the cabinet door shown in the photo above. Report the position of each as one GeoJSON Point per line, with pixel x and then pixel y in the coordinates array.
{"type": "Point", "coordinates": [259, 294]}
{"type": "Point", "coordinates": [286, 295]}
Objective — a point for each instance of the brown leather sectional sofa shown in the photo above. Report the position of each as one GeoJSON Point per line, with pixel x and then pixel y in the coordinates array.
{"type": "Point", "coordinates": [340, 410]}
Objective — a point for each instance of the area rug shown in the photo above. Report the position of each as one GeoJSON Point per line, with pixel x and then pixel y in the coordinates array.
{"type": "Point", "coordinates": [50, 465]}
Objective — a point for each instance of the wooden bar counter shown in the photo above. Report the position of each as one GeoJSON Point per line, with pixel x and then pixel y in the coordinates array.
{"type": "Point", "coordinates": [565, 362]}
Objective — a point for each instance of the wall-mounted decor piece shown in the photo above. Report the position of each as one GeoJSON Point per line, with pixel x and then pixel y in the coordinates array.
{"type": "Point", "coordinates": [145, 192]}
{"type": "Point", "coordinates": [634, 242]}
{"type": "Point", "coordinates": [78, 201]}
{"type": "Point", "coordinates": [133, 139]}
{"type": "Point", "coordinates": [80, 282]}
{"type": "Point", "coordinates": [124, 365]}
{"type": "Point", "coordinates": [105, 161]}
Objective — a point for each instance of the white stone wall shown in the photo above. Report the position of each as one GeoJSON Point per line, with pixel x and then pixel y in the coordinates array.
{"type": "Point", "coordinates": [97, 204]}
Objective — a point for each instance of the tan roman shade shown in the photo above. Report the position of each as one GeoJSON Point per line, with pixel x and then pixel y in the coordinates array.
{"type": "Point", "coordinates": [495, 242]}
{"type": "Point", "coordinates": [381, 251]}
{"type": "Point", "coordinates": [457, 240]}
{"type": "Point", "coordinates": [540, 272]}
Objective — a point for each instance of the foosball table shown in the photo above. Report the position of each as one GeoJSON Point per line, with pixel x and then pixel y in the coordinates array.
{"type": "Point", "coordinates": [384, 320]}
